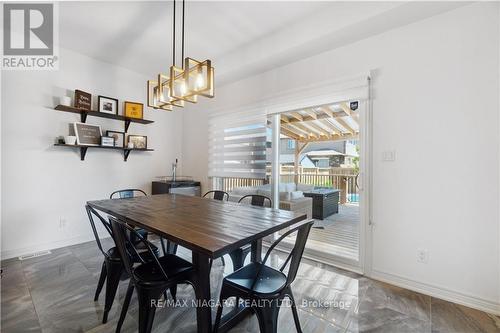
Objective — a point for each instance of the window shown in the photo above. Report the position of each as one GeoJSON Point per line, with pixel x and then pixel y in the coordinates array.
{"type": "Point", "coordinates": [291, 144]}
{"type": "Point", "coordinates": [237, 145]}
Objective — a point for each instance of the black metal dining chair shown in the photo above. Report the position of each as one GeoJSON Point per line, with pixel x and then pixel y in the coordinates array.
{"type": "Point", "coordinates": [112, 267]}
{"type": "Point", "coordinates": [265, 287]}
{"type": "Point", "coordinates": [149, 279]}
{"type": "Point", "coordinates": [167, 247]}
{"type": "Point", "coordinates": [127, 193]}
{"type": "Point", "coordinates": [221, 196]}
{"type": "Point", "coordinates": [130, 193]}
{"type": "Point", "coordinates": [257, 200]}
{"type": "Point", "coordinates": [218, 195]}
{"type": "Point", "coordinates": [238, 256]}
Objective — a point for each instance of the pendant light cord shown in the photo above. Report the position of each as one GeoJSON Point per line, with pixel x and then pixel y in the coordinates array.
{"type": "Point", "coordinates": [183, 9]}
{"type": "Point", "coordinates": [173, 52]}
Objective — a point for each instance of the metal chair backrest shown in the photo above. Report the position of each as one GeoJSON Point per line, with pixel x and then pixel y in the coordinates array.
{"type": "Point", "coordinates": [295, 256]}
{"type": "Point", "coordinates": [127, 193]}
{"type": "Point", "coordinates": [91, 212]}
{"type": "Point", "coordinates": [257, 200]}
{"type": "Point", "coordinates": [128, 249]}
{"type": "Point", "coordinates": [218, 195]}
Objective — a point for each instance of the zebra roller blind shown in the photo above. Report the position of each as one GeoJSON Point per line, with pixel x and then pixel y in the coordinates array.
{"type": "Point", "coordinates": [237, 145]}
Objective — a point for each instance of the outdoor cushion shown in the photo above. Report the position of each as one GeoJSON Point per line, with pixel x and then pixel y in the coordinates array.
{"type": "Point", "coordinates": [290, 187]}
{"type": "Point", "coordinates": [305, 187]}
{"type": "Point", "coordinates": [296, 195]}
{"type": "Point", "coordinates": [283, 195]}
{"type": "Point", "coordinates": [245, 190]}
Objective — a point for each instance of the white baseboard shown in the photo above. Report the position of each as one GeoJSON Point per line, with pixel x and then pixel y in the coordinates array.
{"type": "Point", "coordinates": [7, 254]}
{"type": "Point", "coordinates": [438, 292]}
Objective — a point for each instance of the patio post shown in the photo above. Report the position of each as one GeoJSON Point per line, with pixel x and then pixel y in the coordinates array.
{"type": "Point", "coordinates": [296, 163]}
{"type": "Point", "coordinates": [275, 166]}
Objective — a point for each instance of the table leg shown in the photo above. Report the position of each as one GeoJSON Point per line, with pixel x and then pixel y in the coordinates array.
{"type": "Point", "coordinates": [256, 255]}
{"type": "Point", "coordinates": [202, 291]}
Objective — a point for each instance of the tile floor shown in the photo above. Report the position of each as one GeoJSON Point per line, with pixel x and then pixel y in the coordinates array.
{"type": "Point", "coordinates": [54, 293]}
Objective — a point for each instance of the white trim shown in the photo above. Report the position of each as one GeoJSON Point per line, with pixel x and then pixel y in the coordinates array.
{"type": "Point", "coordinates": [330, 92]}
{"type": "Point", "coordinates": [326, 94]}
{"type": "Point", "coordinates": [275, 158]}
{"type": "Point", "coordinates": [320, 93]}
{"type": "Point", "coordinates": [366, 243]}
{"type": "Point", "coordinates": [454, 296]}
{"type": "Point", "coordinates": [498, 242]}
{"type": "Point", "coordinates": [13, 253]}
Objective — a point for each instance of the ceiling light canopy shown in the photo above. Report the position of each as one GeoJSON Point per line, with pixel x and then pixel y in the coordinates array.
{"type": "Point", "coordinates": [183, 84]}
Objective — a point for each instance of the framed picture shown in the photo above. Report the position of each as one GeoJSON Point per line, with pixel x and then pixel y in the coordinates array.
{"type": "Point", "coordinates": [139, 141]}
{"type": "Point", "coordinates": [107, 141]}
{"type": "Point", "coordinates": [107, 104]}
{"type": "Point", "coordinates": [133, 110]}
{"type": "Point", "coordinates": [118, 136]}
{"type": "Point", "coordinates": [87, 135]}
{"type": "Point", "coordinates": [83, 100]}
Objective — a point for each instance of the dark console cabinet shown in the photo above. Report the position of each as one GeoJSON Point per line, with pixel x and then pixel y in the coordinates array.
{"type": "Point", "coordinates": [185, 187]}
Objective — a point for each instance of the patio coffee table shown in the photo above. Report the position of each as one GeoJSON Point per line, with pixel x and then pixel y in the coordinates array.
{"type": "Point", "coordinates": [325, 202]}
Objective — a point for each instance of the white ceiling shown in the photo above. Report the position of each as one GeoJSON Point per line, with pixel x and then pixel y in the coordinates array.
{"type": "Point", "coordinates": [241, 38]}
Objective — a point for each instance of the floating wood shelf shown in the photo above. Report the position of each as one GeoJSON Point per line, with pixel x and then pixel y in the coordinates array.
{"type": "Point", "coordinates": [85, 113]}
{"type": "Point", "coordinates": [83, 149]}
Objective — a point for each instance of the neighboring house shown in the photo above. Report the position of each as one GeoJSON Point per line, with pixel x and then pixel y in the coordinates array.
{"type": "Point", "coordinates": [320, 154]}
{"type": "Point", "coordinates": [327, 158]}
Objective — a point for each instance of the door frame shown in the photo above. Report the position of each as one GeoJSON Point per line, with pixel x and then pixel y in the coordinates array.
{"type": "Point", "coordinates": [349, 92]}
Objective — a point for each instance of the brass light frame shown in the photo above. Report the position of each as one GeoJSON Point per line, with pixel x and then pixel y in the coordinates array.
{"type": "Point", "coordinates": [177, 80]}
{"type": "Point", "coordinates": [182, 84]}
{"type": "Point", "coordinates": [166, 90]}
{"type": "Point", "coordinates": [192, 70]}
{"type": "Point", "coordinates": [152, 88]}
{"type": "Point", "coordinates": [153, 100]}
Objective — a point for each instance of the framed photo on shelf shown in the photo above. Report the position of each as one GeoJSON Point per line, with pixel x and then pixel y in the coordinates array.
{"type": "Point", "coordinates": [139, 141]}
{"type": "Point", "coordinates": [107, 141]}
{"type": "Point", "coordinates": [133, 110]}
{"type": "Point", "coordinates": [118, 136]}
{"type": "Point", "coordinates": [83, 100]}
{"type": "Point", "coordinates": [87, 135]}
{"type": "Point", "coordinates": [107, 105]}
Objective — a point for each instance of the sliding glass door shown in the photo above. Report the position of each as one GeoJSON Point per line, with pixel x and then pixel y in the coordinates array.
{"type": "Point", "coordinates": [317, 169]}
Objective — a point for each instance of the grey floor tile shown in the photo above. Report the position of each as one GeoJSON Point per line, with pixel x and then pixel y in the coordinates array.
{"type": "Point", "coordinates": [449, 317]}
{"type": "Point", "coordinates": [10, 263]}
{"type": "Point", "coordinates": [386, 308]}
{"type": "Point", "coordinates": [76, 312]}
{"type": "Point", "coordinates": [17, 310]}
{"type": "Point", "coordinates": [58, 278]}
{"type": "Point", "coordinates": [387, 320]}
{"type": "Point", "coordinates": [54, 293]}
{"type": "Point", "coordinates": [55, 258]}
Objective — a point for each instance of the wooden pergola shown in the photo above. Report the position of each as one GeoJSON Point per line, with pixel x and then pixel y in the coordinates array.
{"type": "Point", "coordinates": [336, 122]}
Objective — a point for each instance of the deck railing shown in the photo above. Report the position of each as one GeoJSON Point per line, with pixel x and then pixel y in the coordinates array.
{"type": "Point", "coordinates": [228, 183]}
{"type": "Point", "coordinates": [344, 179]}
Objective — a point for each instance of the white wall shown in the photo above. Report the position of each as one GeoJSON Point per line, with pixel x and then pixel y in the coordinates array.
{"type": "Point", "coordinates": [42, 184]}
{"type": "Point", "coordinates": [436, 103]}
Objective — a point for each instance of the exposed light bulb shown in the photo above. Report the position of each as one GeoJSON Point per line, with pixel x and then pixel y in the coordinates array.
{"type": "Point", "coordinates": [183, 88]}
{"type": "Point", "coordinates": [199, 81]}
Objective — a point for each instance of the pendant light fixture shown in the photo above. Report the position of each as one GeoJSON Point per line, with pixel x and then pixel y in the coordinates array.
{"type": "Point", "coordinates": [183, 84]}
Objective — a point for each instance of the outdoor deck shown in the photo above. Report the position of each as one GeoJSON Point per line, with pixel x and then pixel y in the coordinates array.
{"type": "Point", "coordinates": [338, 234]}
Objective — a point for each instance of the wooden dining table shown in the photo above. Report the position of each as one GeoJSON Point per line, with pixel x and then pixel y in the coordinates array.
{"type": "Point", "coordinates": [209, 228]}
